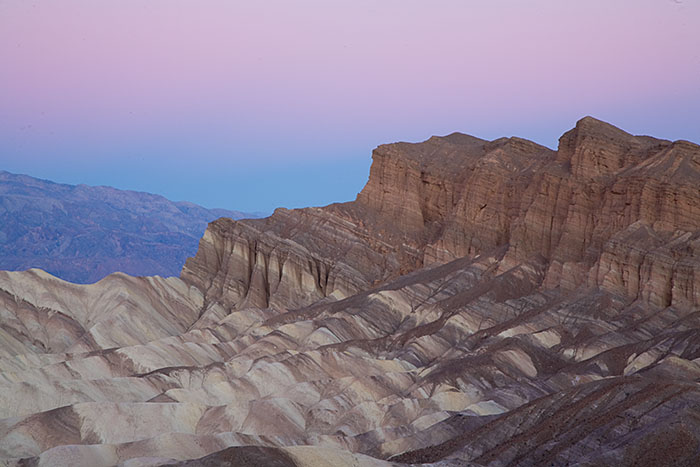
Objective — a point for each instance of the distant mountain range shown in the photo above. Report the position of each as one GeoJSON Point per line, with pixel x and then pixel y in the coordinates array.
{"type": "Point", "coordinates": [82, 233]}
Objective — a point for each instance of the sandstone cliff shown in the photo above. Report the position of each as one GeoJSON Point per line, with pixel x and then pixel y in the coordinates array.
{"type": "Point", "coordinates": [459, 196]}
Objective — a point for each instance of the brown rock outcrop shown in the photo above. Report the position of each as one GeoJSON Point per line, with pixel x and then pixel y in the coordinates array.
{"type": "Point", "coordinates": [458, 196]}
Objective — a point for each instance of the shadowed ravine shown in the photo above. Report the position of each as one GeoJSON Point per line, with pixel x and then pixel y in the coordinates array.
{"type": "Point", "coordinates": [480, 303]}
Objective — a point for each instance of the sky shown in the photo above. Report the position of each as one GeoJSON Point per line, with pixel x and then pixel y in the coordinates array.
{"type": "Point", "coordinates": [256, 105]}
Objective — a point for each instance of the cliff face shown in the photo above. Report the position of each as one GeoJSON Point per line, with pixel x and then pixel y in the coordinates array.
{"type": "Point", "coordinates": [605, 185]}
{"type": "Point", "coordinates": [453, 196]}
{"type": "Point", "coordinates": [481, 303]}
{"type": "Point", "coordinates": [458, 196]}
{"type": "Point", "coordinates": [274, 263]}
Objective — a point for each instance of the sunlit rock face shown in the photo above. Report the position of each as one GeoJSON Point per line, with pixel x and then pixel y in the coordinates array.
{"type": "Point", "coordinates": [480, 303]}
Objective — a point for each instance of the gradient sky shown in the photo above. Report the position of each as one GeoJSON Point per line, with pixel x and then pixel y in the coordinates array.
{"type": "Point", "coordinates": [254, 105]}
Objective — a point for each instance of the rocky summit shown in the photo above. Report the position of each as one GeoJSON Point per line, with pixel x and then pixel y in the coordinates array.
{"type": "Point", "coordinates": [479, 303]}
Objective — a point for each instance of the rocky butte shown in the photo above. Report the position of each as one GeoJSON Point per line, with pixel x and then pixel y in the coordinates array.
{"type": "Point", "coordinates": [479, 303]}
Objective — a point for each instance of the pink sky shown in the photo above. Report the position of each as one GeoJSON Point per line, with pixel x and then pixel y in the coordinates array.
{"type": "Point", "coordinates": [98, 91]}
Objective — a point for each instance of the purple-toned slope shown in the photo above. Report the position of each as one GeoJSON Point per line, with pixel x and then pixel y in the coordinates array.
{"type": "Point", "coordinates": [82, 233]}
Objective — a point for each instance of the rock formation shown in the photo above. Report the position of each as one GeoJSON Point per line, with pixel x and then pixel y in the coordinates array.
{"type": "Point", "coordinates": [480, 303]}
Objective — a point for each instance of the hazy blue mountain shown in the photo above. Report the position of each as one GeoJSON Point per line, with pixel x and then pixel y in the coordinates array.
{"type": "Point", "coordinates": [82, 233]}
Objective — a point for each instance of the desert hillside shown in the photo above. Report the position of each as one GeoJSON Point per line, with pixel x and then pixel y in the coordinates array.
{"type": "Point", "coordinates": [83, 233]}
{"type": "Point", "coordinates": [479, 303]}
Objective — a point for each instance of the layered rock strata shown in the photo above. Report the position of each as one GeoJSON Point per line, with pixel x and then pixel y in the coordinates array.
{"type": "Point", "coordinates": [461, 196]}
{"type": "Point", "coordinates": [480, 303]}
